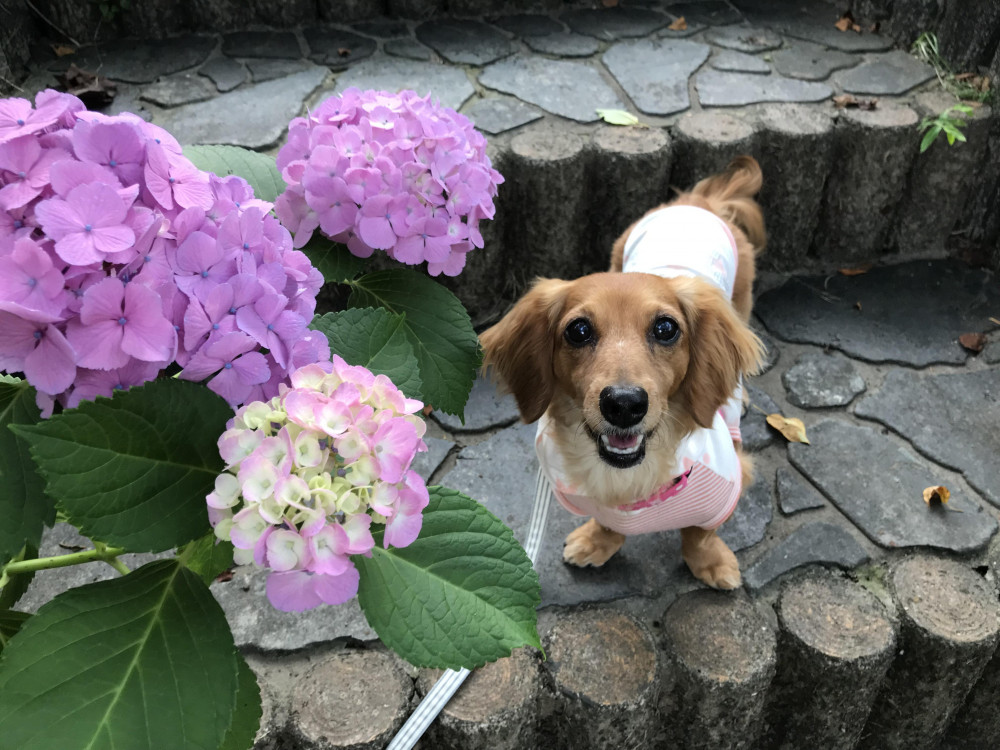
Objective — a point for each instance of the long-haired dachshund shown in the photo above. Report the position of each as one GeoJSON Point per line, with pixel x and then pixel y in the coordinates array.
{"type": "Point", "coordinates": [635, 376]}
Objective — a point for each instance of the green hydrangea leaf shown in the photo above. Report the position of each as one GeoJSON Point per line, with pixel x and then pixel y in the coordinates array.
{"type": "Point", "coordinates": [463, 594]}
{"type": "Point", "coordinates": [257, 169]}
{"type": "Point", "coordinates": [374, 338]}
{"type": "Point", "coordinates": [246, 716]}
{"type": "Point", "coordinates": [24, 507]}
{"type": "Point", "coordinates": [142, 662]}
{"type": "Point", "coordinates": [333, 260]}
{"type": "Point", "coordinates": [617, 117]}
{"type": "Point", "coordinates": [17, 584]}
{"type": "Point", "coordinates": [10, 623]}
{"type": "Point", "coordinates": [207, 557]}
{"type": "Point", "coordinates": [437, 326]}
{"type": "Point", "coordinates": [134, 470]}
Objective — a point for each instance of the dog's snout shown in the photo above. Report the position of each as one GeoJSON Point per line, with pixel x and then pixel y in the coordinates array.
{"type": "Point", "coordinates": [624, 406]}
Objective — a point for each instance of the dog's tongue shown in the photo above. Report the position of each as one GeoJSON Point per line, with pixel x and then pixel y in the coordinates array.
{"type": "Point", "coordinates": [622, 442]}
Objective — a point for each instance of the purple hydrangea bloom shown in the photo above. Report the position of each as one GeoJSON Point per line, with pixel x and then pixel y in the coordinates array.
{"type": "Point", "coordinates": [392, 172]}
{"type": "Point", "coordinates": [119, 258]}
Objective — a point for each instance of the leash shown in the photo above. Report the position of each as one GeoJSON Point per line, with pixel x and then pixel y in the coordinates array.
{"type": "Point", "coordinates": [446, 686]}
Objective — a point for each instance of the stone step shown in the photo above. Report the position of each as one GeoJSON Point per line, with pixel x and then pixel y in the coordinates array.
{"type": "Point", "coordinates": [833, 666]}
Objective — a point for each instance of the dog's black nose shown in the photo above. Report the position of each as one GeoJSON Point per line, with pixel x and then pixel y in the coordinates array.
{"type": "Point", "coordinates": [624, 406]}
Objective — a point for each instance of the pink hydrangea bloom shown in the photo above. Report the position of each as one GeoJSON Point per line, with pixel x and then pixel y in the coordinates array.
{"type": "Point", "coordinates": [393, 172]}
{"type": "Point", "coordinates": [311, 471]}
{"type": "Point", "coordinates": [118, 258]}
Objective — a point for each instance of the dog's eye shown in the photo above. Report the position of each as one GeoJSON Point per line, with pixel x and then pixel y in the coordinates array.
{"type": "Point", "coordinates": [579, 332]}
{"type": "Point", "coordinates": [666, 330]}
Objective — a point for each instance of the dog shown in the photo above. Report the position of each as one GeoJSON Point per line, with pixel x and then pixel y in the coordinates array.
{"type": "Point", "coordinates": [635, 376]}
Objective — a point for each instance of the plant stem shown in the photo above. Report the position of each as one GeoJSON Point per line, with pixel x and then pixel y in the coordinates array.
{"type": "Point", "coordinates": [103, 554]}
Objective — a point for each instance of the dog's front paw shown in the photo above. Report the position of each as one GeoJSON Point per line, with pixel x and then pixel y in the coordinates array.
{"type": "Point", "coordinates": [721, 576]}
{"type": "Point", "coordinates": [710, 560]}
{"type": "Point", "coordinates": [591, 544]}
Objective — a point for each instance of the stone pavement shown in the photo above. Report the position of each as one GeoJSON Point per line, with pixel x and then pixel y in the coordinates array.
{"type": "Point", "coordinates": [843, 560]}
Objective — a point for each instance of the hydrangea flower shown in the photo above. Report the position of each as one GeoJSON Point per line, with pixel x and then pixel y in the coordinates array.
{"type": "Point", "coordinates": [309, 472]}
{"type": "Point", "coordinates": [118, 259]}
{"type": "Point", "coordinates": [392, 172]}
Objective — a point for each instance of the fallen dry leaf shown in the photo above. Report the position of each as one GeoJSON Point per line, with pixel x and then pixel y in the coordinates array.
{"type": "Point", "coordinates": [939, 494]}
{"type": "Point", "coordinates": [95, 91]}
{"type": "Point", "coordinates": [857, 306]}
{"type": "Point", "coordinates": [855, 271]}
{"type": "Point", "coordinates": [426, 411]}
{"type": "Point", "coordinates": [224, 576]}
{"type": "Point", "coordinates": [62, 50]}
{"type": "Point", "coordinates": [343, 51]}
{"type": "Point", "coordinates": [846, 23]}
{"type": "Point", "coordinates": [974, 342]}
{"type": "Point", "coordinates": [679, 25]}
{"type": "Point", "coordinates": [849, 101]}
{"type": "Point", "coordinates": [791, 427]}
{"type": "Point", "coordinates": [609, 3]}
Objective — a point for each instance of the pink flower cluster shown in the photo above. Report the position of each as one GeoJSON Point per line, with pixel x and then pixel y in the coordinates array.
{"type": "Point", "coordinates": [118, 258]}
{"type": "Point", "coordinates": [393, 172]}
{"type": "Point", "coordinates": [309, 471]}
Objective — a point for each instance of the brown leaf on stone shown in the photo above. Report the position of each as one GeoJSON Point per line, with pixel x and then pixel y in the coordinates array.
{"type": "Point", "coordinates": [857, 305]}
{"type": "Point", "coordinates": [426, 411]}
{"type": "Point", "coordinates": [846, 23]}
{"type": "Point", "coordinates": [865, 268]}
{"type": "Point", "coordinates": [939, 494]}
{"type": "Point", "coordinates": [849, 101]}
{"type": "Point", "coordinates": [343, 51]}
{"type": "Point", "coordinates": [973, 342]}
{"type": "Point", "coordinates": [225, 576]}
{"type": "Point", "coordinates": [62, 50]}
{"type": "Point", "coordinates": [679, 25]}
{"type": "Point", "coordinates": [93, 90]}
{"type": "Point", "coordinates": [790, 427]}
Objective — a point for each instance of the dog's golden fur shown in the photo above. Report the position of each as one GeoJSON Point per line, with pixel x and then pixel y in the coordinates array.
{"type": "Point", "coordinates": [686, 382]}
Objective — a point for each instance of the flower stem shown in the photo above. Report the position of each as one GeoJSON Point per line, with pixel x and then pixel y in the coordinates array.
{"type": "Point", "coordinates": [101, 553]}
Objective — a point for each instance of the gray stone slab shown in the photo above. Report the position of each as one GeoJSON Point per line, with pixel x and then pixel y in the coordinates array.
{"type": "Point", "coordinates": [813, 29]}
{"type": "Point", "coordinates": [753, 513]}
{"type": "Point", "coordinates": [258, 625]}
{"type": "Point", "coordinates": [528, 24]}
{"type": "Point", "coordinates": [485, 409]}
{"type": "Point", "coordinates": [891, 74]}
{"type": "Point", "coordinates": [814, 543]}
{"type": "Point", "coordinates": [991, 353]}
{"type": "Point", "coordinates": [818, 380]}
{"type": "Point", "coordinates": [556, 86]}
{"type": "Point", "coordinates": [264, 69]}
{"type": "Point", "coordinates": [464, 41]}
{"type": "Point", "coordinates": [912, 313]}
{"type": "Point", "coordinates": [879, 486]}
{"type": "Point", "coordinates": [425, 464]}
{"type": "Point", "coordinates": [499, 114]}
{"type": "Point", "coordinates": [254, 116]}
{"type": "Point", "coordinates": [719, 89]}
{"type": "Point", "coordinates": [609, 24]}
{"type": "Point", "coordinates": [450, 85]}
{"type": "Point", "coordinates": [706, 13]}
{"type": "Point", "coordinates": [280, 44]}
{"type": "Point", "coordinates": [564, 44]}
{"type": "Point", "coordinates": [655, 72]}
{"type": "Point", "coordinates": [409, 48]}
{"type": "Point", "coordinates": [952, 417]}
{"type": "Point", "coordinates": [336, 47]}
{"type": "Point", "coordinates": [756, 432]}
{"type": "Point", "coordinates": [738, 62]}
{"type": "Point", "coordinates": [794, 493]}
{"type": "Point", "coordinates": [175, 90]}
{"type": "Point", "coordinates": [225, 73]}
{"type": "Point", "coordinates": [744, 38]}
{"type": "Point", "coordinates": [811, 62]}
{"type": "Point", "coordinates": [140, 62]}
{"type": "Point", "coordinates": [501, 472]}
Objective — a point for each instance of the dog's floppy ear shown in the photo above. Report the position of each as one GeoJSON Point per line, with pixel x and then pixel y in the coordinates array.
{"type": "Point", "coordinates": [721, 347]}
{"type": "Point", "coordinates": [519, 348]}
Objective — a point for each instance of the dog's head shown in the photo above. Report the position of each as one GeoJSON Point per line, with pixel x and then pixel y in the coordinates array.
{"type": "Point", "coordinates": [623, 358]}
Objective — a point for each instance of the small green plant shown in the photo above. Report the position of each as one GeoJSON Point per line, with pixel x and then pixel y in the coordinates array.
{"type": "Point", "coordinates": [950, 122]}
{"type": "Point", "coordinates": [111, 9]}
{"type": "Point", "coordinates": [964, 86]}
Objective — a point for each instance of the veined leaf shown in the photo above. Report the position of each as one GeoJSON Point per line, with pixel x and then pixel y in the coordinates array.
{"type": "Point", "coordinates": [246, 716]}
{"type": "Point", "coordinates": [143, 662]}
{"type": "Point", "coordinates": [134, 470]}
{"type": "Point", "coordinates": [207, 557]}
{"type": "Point", "coordinates": [464, 593]}
{"type": "Point", "coordinates": [257, 169]}
{"type": "Point", "coordinates": [24, 507]}
{"type": "Point", "coordinates": [437, 326]}
{"type": "Point", "coordinates": [374, 338]}
{"type": "Point", "coordinates": [333, 260]}
{"type": "Point", "coordinates": [10, 623]}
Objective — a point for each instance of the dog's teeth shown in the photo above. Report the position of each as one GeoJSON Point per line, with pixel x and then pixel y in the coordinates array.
{"type": "Point", "coordinates": [606, 444]}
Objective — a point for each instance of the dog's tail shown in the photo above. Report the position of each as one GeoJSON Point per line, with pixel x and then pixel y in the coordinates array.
{"type": "Point", "coordinates": [730, 195]}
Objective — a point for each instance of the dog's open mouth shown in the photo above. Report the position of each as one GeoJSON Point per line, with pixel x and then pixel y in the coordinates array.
{"type": "Point", "coordinates": [621, 450]}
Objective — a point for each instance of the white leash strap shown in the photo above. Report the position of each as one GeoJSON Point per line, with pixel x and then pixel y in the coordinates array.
{"type": "Point", "coordinates": [446, 686]}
